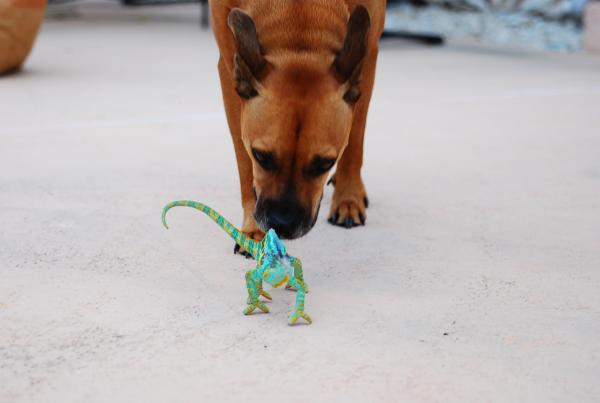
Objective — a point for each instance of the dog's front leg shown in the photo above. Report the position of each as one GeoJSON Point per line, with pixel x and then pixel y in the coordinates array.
{"type": "Point", "coordinates": [232, 110]}
{"type": "Point", "coordinates": [350, 197]}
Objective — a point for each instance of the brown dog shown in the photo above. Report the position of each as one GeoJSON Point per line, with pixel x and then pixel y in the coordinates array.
{"type": "Point", "coordinates": [297, 77]}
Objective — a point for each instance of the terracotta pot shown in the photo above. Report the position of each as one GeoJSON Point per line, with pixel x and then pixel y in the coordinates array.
{"type": "Point", "coordinates": [591, 23]}
{"type": "Point", "coordinates": [19, 24]}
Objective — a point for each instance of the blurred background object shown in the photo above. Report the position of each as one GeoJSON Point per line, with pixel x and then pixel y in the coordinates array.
{"type": "Point", "coordinates": [555, 25]}
{"type": "Point", "coordinates": [19, 24]}
{"type": "Point", "coordinates": [592, 26]}
{"type": "Point", "coordinates": [540, 24]}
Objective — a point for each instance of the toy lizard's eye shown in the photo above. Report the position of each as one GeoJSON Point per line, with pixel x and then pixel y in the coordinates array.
{"type": "Point", "coordinates": [319, 165]}
{"type": "Point", "coordinates": [265, 159]}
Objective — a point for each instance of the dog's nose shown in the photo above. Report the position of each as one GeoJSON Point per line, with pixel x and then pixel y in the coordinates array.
{"type": "Point", "coordinates": [285, 217]}
{"type": "Point", "coordinates": [281, 218]}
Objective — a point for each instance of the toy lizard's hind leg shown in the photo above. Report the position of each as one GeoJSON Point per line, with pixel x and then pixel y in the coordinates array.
{"type": "Point", "coordinates": [301, 288]}
{"type": "Point", "coordinates": [254, 286]}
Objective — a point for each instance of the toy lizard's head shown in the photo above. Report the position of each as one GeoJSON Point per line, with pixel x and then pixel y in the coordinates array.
{"type": "Point", "coordinates": [279, 265]}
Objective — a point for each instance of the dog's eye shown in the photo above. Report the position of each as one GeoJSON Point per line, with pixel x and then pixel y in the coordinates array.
{"type": "Point", "coordinates": [265, 159]}
{"type": "Point", "coordinates": [319, 166]}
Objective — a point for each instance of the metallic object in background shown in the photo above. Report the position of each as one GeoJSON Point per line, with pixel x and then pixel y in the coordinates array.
{"type": "Point", "coordinates": [424, 38]}
{"type": "Point", "coordinates": [204, 10]}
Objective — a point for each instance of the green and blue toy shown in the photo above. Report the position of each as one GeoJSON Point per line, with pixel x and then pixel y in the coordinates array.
{"type": "Point", "coordinates": [273, 264]}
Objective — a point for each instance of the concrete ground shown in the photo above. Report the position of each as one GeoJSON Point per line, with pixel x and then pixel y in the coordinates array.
{"type": "Point", "coordinates": [476, 278]}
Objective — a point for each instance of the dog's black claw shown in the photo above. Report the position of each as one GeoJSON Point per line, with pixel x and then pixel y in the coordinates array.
{"type": "Point", "coordinates": [333, 218]}
{"type": "Point", "coordinates": [362, 218]}
{"type": "Point", "coordinates": [237, 250]}
{"type": "Point", "coordinates": [366, 201]}
{"type": "Point", "coordinates": [349, 223]}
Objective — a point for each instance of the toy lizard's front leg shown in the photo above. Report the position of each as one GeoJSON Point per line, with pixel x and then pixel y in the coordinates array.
{"type": "Point", "coordinates": [297, 263]}
{"type": "Point", "coordinates": [253, 286]}
{"type": "Point", "coordinates": [300, 295]}
{"type": "Point", "coordinates": [302, 288]}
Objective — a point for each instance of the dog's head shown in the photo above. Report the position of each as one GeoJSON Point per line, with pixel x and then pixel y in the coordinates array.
{"type": "Point", "coordinates": [296, 116]}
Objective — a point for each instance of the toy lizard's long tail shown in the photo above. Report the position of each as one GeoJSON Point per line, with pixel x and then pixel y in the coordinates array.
{"type": "Point", "coordinates": [250, 245]}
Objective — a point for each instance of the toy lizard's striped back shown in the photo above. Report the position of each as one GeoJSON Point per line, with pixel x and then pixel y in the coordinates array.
{"type": "Point", "coordinates": [249, 245]}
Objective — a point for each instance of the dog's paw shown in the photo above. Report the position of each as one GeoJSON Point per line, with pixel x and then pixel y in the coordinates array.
{"type": "Point", "coordinates": [255, 234]}
{"type": "Point", "coordinates": [348, 205]}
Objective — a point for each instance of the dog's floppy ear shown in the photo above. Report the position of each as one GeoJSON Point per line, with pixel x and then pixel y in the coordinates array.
{"type": "Point", "coordinates": [349, 60]}
{"type": "Point", "coordinates": [249, 61]}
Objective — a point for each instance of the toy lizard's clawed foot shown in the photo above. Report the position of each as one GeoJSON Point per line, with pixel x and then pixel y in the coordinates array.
{"type": "Point", "coordinates": [253, 305]}
{"type": "Point", "coordinates": [265, 294]}
{"type": "Point", "coordinates": [299, 314]}
{"type": "Point", "coordinates": [290, 287]}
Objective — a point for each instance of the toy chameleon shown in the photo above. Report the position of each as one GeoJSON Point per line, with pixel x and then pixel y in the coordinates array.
{"type": "Point", "coordinates": [273, 264]}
